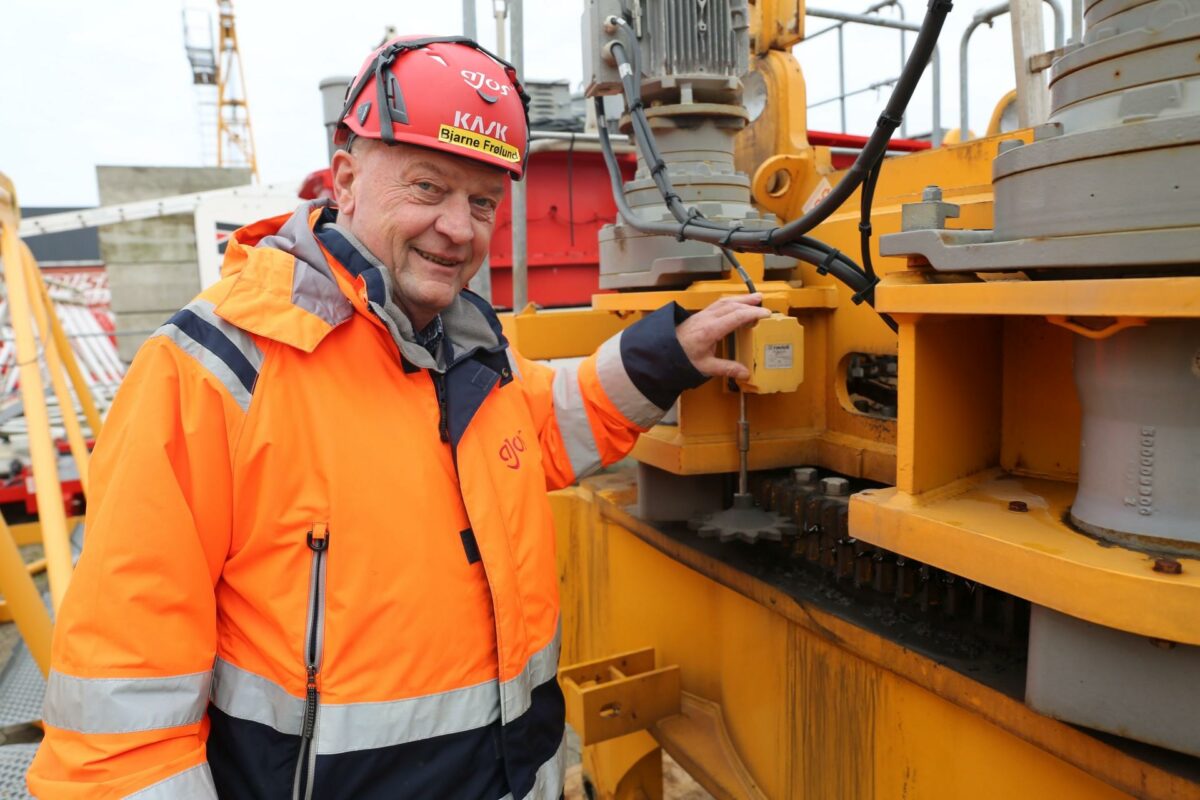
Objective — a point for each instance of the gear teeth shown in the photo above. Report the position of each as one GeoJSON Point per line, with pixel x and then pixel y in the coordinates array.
{"type": "Point", "coordinates": [747, 525]}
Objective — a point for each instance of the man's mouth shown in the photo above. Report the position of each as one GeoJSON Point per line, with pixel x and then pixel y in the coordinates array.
{"type": "Point", "coordinates": [436, 259]}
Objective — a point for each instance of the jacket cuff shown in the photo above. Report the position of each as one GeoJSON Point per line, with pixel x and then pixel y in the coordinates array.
{"type": "Point", "coordinates": [654, 359]}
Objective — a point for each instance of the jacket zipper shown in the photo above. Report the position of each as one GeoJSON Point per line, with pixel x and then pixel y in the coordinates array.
{"type": "Point", "coordinates": [314, 640]}
{"type": "Point", "coordinates": [439, 387]}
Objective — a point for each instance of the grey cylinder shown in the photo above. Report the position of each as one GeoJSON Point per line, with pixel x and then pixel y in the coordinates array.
{"type": "Point", "coordinates": [333, 97]}
{"type": "Point", "coordinates": [1139, 470]}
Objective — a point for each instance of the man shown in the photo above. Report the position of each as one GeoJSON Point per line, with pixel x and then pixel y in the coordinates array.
{"type": "Point", "coordinates": [320, 559]}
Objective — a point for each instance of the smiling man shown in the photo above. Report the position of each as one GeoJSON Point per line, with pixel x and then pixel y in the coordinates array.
{"type": "Point", "coordinates": [320, 558]}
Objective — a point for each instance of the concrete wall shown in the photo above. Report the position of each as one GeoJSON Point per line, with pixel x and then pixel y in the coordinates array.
{"type": "Point", "coordinates": [152, 263]}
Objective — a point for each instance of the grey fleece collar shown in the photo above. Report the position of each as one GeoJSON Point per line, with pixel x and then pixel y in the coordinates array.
{"type": "Point", "coordinates": [465, 325]}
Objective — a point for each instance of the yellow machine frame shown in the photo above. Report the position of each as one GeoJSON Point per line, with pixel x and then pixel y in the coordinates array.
{"type": "Point", "coordinates": [781, 694]}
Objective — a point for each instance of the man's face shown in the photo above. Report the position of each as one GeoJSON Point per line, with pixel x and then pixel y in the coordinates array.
{"type": "Point", "coordinates": [428, 216]}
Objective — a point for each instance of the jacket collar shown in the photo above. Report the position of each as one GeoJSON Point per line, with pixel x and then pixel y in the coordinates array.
{"type": "Point", "coordinates": [300, 276]}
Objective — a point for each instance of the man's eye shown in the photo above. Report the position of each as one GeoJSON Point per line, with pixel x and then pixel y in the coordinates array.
{"type": "Point", "coordinates": [426, 186]}
{"type": "Point", "coordinates": [485, 203]}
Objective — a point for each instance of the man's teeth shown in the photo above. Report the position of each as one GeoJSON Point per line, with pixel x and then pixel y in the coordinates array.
{"type": "Point", "coordinates": [445, 262]}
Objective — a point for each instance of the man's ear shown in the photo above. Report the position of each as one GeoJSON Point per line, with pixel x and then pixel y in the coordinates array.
{"type": "Point", "coordinates": [345, 168]}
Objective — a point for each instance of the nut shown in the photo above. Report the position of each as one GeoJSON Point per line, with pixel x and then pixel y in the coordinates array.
{"type": "Point", "coordinates": [1017, 505]}
{"type": "Point", "coordinates": [1168, 566]}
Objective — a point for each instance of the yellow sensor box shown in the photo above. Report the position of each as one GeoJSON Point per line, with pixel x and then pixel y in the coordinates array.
{"type": "Point", "coordinates": [773, 350]}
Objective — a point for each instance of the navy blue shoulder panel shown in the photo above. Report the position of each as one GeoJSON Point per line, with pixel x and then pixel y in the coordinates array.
{"type": "Point", "coordinates": [354, 261]}
{"type": "Point", "coordinates": [208, 336]}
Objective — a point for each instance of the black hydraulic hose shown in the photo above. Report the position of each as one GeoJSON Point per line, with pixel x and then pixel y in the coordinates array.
{"type": "Point", "coordinates": [873, 150]}
{"type": "Point", "coordinates": [826, 259]}
{"type": "Point", "coordinates": [889, 120]}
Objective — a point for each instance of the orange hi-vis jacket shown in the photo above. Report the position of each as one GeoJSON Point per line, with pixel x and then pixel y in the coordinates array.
{"type": "Point", "coordinates": [315, 568]}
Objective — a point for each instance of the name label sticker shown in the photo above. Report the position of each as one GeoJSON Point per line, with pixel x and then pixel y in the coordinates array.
{"type": "Point", "coordinates": [479, 143]}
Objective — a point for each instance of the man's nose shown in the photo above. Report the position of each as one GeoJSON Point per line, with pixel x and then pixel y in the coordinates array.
{"type": "Point", "coordinates": [455, 221]}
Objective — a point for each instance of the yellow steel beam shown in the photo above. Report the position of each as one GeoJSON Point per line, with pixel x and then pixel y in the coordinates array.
{"type": "Point", "coordinates": [814, 704]}
{"type": "Point", "coordinates": [24, 533]}
{"type": "Point", "coordinates": [22, 600]}
{"type": "Point", "coordinates": [82, 390]}
{"type": "Point", "coordinates": [564, 334]}
{"type": "Point", "coordinates": [41, 445]}
{"type": "Point", "coordinates": [54, 366]}
{"type": "Point", "coordinates": [909, 293]}
{"type": "Point", "coordinates": [777, 296]}
{"type": "Point", "coordinates": [968, 529]}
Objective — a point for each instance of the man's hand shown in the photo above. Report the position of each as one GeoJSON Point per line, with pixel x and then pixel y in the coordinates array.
{"type": "Point", "coordinates": [699, 334]}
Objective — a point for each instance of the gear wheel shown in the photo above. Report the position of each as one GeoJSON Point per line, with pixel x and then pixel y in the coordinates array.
{"type": "Point", "coordinates": [744, 521]}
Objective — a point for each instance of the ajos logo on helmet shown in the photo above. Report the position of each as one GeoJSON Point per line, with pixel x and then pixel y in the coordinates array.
{"type": "Point", "coordinates": [477, 81]}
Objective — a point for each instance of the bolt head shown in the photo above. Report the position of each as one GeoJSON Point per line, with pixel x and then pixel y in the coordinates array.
{"type": "Point", "coordinates": [805, 476]}
{"type": "Point", "coordinates": [932, 194]}
{"type": "Point", "coordinates": [1168, 566]}
{"type": "Point", "coordinates": [1017, 505]}
{"type": "Point", "coordinates": [835, 487]}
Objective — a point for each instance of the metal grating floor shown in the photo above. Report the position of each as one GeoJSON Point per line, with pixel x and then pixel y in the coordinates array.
{"type": "Point", "coordinates": [22, 688]}
{"type": "Point", "coordinates": [14, 763]}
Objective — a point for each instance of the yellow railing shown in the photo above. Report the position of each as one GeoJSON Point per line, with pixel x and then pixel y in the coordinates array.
{"type": "Point", "coordinates": [29, 304]}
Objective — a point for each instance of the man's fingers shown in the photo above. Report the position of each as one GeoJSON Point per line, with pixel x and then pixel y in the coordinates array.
{"type": "Point", "coordinates": [723, 368]}
{"type": "Point", "coordinates": [730, 303]}
{"type": "Point", "coordinates": [736, 317]}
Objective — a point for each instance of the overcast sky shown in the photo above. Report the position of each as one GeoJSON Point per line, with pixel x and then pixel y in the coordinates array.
{"type": "Point", "coordinates": [92, 83]}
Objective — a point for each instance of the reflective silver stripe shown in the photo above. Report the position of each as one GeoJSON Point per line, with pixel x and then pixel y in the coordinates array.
{"type": "Point", "coordinates": [195, 783]}
{"type": "Point", "coordinates": [241, 340]}
{"type": "Point", "coordinates": [542, 666]}
{"type": "Point", "coordinates": [620, 389]}
{"type": "Point", "coordinates": [355, 726]}
{"type": "Point", "coordinates": [364, 726]}
{"type": "Point", "coordinates": [125, 705]}
{"type": "Point", "coordinates": [548, 782]}
{"type": "Point", "coordinates": [512, 363]}
{"type": "Point", "coordinates": [571, 415]}
{"type": "Point", "coordinates": [242, 694]}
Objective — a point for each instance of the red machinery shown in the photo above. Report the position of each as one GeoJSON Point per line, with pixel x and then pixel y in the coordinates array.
{"type": "Point", "coordinates": [568, 200]}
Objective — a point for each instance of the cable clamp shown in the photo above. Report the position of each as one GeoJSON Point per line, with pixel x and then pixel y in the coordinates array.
{"type": "Point", "coordinates": [658, 168]}
{"type": "Point", "coordinates": [823, 267]}
{"type": "Point", "coordinates": [771, 240]}
{"type": "Point", "coordinates": [866, 293]}
{"type": "Point", "coordinates": [729, 236]}
{"type": "Point", "coordinates": [889, 121]}
{"type": "Point", "coordinates": [692, 214]}
{"type": "Point", "coordinates": [865, 228]}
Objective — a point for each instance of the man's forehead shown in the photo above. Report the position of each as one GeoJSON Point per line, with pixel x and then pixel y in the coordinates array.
{"type": "Point", "coordinates": [412, 158]}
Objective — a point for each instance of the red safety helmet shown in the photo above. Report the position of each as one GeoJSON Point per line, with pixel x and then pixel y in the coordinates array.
{"type": "Point", "coordinates": [447, 93]}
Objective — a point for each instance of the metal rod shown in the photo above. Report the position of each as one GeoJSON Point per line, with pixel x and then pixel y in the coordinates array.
{"type": "Point", "coordinates": [743, 446]}
{"type": "Point", "coordinates": [468, 13]}
{"type": "Point", "coordinates": [1077, 21]}
{"type": "Point", "coordinates": [520, 258]}
{"type": "Point", "coordinates": [900, 25]}
{"type": "Point", "coordinates": [903, 59]}
{"type": "Point", "coordinates": [873, 87]}
{"type": "Point", "coordinates": [54, 366]}
{"type": "Point", "coordinates": [986, 17]}
{"type": "Point", "coordinates": [48, 490]}
{"type": "Point", "coordinates": [841, 40]}
{"type": "Point", "coordinates": [82, 390]}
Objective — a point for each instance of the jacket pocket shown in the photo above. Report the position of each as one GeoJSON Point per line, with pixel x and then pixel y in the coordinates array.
{"type": "Point", "coordinates": [314, 642]}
